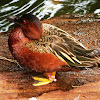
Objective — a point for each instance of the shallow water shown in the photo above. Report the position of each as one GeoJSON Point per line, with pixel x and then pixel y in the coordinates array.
{"type": "Point", "coordinates": [44, 9]}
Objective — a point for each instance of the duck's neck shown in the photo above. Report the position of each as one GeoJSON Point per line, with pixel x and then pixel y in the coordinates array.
{"type": "Point", "coordinates": [17, 38]}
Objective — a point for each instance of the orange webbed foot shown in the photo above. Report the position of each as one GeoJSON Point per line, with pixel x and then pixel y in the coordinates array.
{"type": "Point", "coordinates": [44, 81]}
{"type": "Point", "coordinates": [51, 76]}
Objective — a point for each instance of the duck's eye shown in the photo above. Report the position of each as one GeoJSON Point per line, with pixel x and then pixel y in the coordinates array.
{"type": "Point", "coordinates": [24, 22]}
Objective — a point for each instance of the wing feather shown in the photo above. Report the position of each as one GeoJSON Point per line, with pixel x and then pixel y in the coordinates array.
{"type": "Point", "coordinates": [65, 47]}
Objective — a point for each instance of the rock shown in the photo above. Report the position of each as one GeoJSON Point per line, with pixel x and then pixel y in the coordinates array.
{"type": "Point", "coordinates": [89, 91]}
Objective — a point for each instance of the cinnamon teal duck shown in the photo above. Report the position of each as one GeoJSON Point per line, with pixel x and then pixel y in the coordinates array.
{"type": "Point", "coordinates": [47, 49]}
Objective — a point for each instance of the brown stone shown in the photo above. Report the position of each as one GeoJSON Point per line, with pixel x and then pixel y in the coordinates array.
{"type": "Point", "coordinates": [89, 91]}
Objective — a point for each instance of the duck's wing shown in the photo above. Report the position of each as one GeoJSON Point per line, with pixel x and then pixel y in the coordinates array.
{"type": "Point", "coordinates": [68, 49]}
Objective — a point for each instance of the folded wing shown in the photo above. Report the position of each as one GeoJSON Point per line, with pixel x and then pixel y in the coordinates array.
{"type": "Point", "coordinates": [68, 49]}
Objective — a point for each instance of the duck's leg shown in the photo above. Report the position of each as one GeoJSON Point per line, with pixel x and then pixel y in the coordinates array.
{"type": "Point", "coordinates": [10, 60]}
{"type": "Point", "coordinates": [44, 81]}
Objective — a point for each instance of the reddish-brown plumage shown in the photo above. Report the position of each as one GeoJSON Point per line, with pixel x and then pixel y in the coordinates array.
{"type": "Point", "coordinates": [47, 49]}
{"type": "Point", "coordinates": [39, 62]}
{"type": "Point", "coordinates": [37, 29]}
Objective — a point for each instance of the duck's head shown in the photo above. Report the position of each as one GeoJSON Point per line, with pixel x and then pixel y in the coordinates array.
{"type": "Point", "coordinates": [30, 25]}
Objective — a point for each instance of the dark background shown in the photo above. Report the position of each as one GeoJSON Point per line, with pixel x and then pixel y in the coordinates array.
{"type": "Point", "coordinates": [44, 9]}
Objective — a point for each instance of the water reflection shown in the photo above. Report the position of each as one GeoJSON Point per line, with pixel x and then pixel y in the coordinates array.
{"type": "Point", "coordinates": [49, 9]}
{"type": "Point", "coordinates": [44, 9]}
{"type": "Point", "coordinates": [81, 6]}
